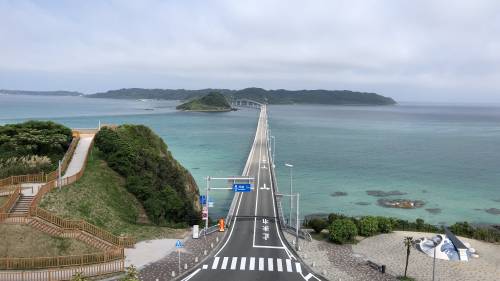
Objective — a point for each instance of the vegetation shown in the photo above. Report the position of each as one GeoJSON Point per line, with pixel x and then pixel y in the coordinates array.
{"type": "Point", "coordinates": [101, 198]}
{"type": "Point", "coordinates": [258, 94]}
{"type": "Point", "coordinates": [24, 241]}
{"type": "Point", "coordinates": [40, 93]}
{"type": "Point", "coordinates": [131, 274]}
{"type": "Point", "coordinates": [342, 231]}
{"type": "Point", "coordinates": [167, 190]}
{"type": "Point", "coordinates": [79, 277]}
{"type": "Point", "coordinates": [408, 241]}
{"type": "Point", "coordinates": [214, 101]}
{"type": "Point", "coordinates": [317, 224]}
{"type": "Point", "coordinates": [32, 147]}
{"type": "Point", "coordinates": [369, 226]}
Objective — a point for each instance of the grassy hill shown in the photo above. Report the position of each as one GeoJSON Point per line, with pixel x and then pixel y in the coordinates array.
{"type": "Point", "coordinates": [100, 197]}
{"type": "Point", "coordinates": [214, 101]}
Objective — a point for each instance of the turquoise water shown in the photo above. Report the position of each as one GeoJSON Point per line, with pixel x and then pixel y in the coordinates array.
{"type": "Point", "coordinates": [444, 155]}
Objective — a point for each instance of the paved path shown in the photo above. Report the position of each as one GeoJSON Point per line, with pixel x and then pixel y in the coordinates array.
{"type": "Point", "coordinates": [78, 159]}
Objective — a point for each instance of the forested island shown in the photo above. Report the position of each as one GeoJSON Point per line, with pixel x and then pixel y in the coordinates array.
{"type": "Point", "coordinates": [213, 102]}
{"type": "Point", "coordinates": [40, 93]}
{"type": "Point", "coordinates": [337, 97]}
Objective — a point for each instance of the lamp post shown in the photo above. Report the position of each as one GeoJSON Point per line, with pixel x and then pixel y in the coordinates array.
{"type": "Point", "coordinates": [274, 147]}
{"type": "Point", "coordinates": [291, 190]}
{"type": "Point", "coordinates": [297, 224]}
{"type": "Point", "coordinates": [434, 261]}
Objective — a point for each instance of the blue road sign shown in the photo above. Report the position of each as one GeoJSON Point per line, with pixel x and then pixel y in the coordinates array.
{"type": "Point", "coordinates": [203, 199]}
{"type": "Point", "coordinates": [242, 187]}
{"type": "Point", "coordinates": [179, 244]}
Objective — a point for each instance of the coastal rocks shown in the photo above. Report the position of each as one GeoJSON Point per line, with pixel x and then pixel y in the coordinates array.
{"type": "Point", "coordinates": [493, 211]}
{"type": "Point", "coordinates": [381, 193]}
{"type": "Point", "coordinates": [338, 193]}
{"type": "Point", "coordinates": [363, 203]}
{"type": "Point", "coordinates": [400, 203]}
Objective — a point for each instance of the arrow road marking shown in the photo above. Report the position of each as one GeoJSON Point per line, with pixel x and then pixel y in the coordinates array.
{"type": "Point", "coordinates": [266, 188]}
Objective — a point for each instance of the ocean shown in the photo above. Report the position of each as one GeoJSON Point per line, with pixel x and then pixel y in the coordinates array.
{"type": "Point", "coordinates": [444, 155]}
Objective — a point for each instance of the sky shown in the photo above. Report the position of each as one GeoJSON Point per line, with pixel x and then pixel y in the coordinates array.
{"type": "Point", "coordinates": [442, 51]}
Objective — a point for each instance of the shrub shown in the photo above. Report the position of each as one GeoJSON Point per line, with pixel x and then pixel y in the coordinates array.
{"type": "Point", "coordinates": [317, 224]}
{"type": "Point", "coordinates": [368, 226]}
{"type": "Point", "coordinates": [342, 231]}
{"type": "Point", "coordinates": [384, 224]}
{"type": "Point", "coordinates": [333, 216]}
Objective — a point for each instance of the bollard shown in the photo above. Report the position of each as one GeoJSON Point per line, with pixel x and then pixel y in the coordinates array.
{"type": "Point", "coordinates": [212, 245]}
{"type": "Point", "coordinates": [185, 266]}
{"type": "Point", "coordinates": [173, 273]}
{"type": "Point", "coordinates": [195, 259]}
{"type": "Point", "coordinates": [216, 239]}
{"type": "Point", "coordinates": [205, 252]}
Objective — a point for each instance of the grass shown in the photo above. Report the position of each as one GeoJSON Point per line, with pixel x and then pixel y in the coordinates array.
{"type": "Point", "coordinates": [407, 278]}
{"type": "Point", "coordinates": [24, 241]}
{"type": "Point", "coordinates": [3, 199]}
{"type": "Point", "coordinates": [100, 198]}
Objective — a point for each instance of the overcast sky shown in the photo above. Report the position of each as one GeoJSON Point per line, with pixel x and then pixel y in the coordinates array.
{"type": "Point", "coordinates": [409, 50]}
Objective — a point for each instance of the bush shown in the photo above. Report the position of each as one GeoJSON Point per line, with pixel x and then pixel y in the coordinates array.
{"type": "Point", "coordinates": [317, 224]}
{"type": "Point", "coordinates": [342, 231]}
{"type": "Point", "coordinates": [368, 226]}
{"type": "Point", "coordinates": [333, 216]}
{"type": "Point", "coordinates": [384, 224]}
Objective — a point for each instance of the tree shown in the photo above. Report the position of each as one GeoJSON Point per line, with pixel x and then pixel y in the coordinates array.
{"type": "Point", "coordinates": [131, 275]}
{"type": "Point", "coordinates": [342, 231]}
{"type": "Point", "coordinates": [317, 224]}
{"type": "Point", "coordinates": [384, 224]}
{"type": "Point", "coordinates": [408, 241]}
{"type": "Point", "coordinates": [368, 226]}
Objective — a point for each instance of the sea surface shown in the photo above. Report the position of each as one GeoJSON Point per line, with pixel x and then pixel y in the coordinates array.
{"type": "Point", "coordinates": [447, 156]}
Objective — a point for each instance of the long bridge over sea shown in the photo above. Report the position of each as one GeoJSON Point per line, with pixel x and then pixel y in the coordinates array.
{"type": "Point", "coordinates": [254, 247]}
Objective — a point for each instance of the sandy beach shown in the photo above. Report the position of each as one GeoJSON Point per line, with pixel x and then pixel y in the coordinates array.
{"type": "Point", "coordinates": [389, 249]}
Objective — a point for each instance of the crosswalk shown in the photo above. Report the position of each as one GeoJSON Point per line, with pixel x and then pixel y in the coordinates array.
{"type": "Point", "coordinates": [253, 264]}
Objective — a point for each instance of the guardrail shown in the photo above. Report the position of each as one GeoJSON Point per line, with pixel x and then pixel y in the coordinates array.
{"type": "Point", "coordinates": [5, 208]}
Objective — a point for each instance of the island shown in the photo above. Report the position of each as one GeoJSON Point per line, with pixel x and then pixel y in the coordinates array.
{"type": "Point", "coordinates": [280, 96]}
{"type": "Point", "coordinates": [40, 93]}
{"type": "Point", "coordinates": [213, 102]}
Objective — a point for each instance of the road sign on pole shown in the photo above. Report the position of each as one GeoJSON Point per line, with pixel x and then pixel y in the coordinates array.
{"type": "Point", "coordinates": [242, 187]}
{"type": "Point", "coordinates": [203, 199]}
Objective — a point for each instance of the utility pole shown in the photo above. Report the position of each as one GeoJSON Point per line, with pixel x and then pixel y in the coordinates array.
{"type": "Point", "coordinates": [291, 191]}
{"type": "Point", "coordinates": [206, 204]}
{"type": "Point", "coordinates": [434, 261]}
{"type": "Point", "coordinates": [297, 225]}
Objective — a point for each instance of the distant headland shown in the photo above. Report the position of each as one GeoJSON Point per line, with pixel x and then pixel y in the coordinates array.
{"type": "Point", "coordinates": [212, 102]}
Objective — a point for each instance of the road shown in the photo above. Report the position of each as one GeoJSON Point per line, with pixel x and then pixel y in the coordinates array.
{"type": "Point", "coordinates": [254, 248]}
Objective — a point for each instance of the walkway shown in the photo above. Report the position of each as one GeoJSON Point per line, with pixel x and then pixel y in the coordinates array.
{"type": "Point", "coordinates": [78, 160]}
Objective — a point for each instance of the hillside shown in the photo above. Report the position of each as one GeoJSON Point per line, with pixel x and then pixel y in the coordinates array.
{"type": "Point", "coordinates": [281, 96]}
{"type": "Point", "coordinates": [166, 190]}
{"type": "Point", "coordinates": [213, 102]}
{"type": "Point", "coordinates": [101, 198]}
{"type": "Point", "coordinates": [40, 93]}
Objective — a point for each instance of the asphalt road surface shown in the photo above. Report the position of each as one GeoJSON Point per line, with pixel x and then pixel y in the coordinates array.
{"type": "Point", "coordinates": [254, 248]}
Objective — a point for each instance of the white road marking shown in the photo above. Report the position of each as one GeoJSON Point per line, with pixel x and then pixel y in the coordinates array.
{"type": "Point", "coordinates": [298, 268]}
{"type": "Point", "coordinates": [288, 265]}
{"type": "Point", "coordinates": [309, 276]}
{"type": "Point", "coordinates": [224, 263]}
{"type": "Point", "coordinates": [216, 262]}
{"type": "Point", "coordinates": [252, 264]}
{"type": "Point", "coordinates": [205, 266]}
{"type": "Point", "coordinates": [279, 265]}
{"type": "Point", "coordinates": [191, 275]}
{"type": "Point", "coordinates": [243, 263]}
{"type": "Point", "coordinates": [270, 266]}
{"type": "Point", "coordinates": [261, 264]}
{"type": "Point", "coordinates": [233, 263]}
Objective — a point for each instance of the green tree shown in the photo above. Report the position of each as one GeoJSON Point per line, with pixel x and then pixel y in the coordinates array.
{"type": "Point", "coordinates": [368, 226]}
{"type": "Point", "coordinates": [342, 231]}
{"type": "Point", "coordinates": [384, 224]}
{"type": "Point", "coordinates": [318, 224]}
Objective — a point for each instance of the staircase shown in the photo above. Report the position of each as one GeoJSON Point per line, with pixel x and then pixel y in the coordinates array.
{"type": "Point", "coordinates": [46, 227]}
{"type": "Point", "coordinates": [22, 205]}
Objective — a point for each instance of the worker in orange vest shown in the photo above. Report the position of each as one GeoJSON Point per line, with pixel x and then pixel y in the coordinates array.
{"type": "Point", "coordinates": [221, 225]}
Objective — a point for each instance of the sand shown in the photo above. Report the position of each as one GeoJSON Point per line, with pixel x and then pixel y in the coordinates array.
{"type": "Point", "coordinates": [147, 252]}
{"type": "Point", "coordinates": [389, 249]}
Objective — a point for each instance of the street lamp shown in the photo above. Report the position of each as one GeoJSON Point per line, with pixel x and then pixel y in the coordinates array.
{"type": "Point", "coordinates": [274, 147]}
{"type": "Point", "coordinates": [434, 261]}
{"type": "Point", "coordinates": [291, 190]}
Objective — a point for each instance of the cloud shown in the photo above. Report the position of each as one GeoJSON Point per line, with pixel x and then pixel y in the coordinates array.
{"type": "Point", "coordinates": [417, 50]}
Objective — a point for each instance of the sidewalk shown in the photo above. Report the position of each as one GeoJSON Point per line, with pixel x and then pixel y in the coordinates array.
{"type": "Point", "coordinates": [78, 159]}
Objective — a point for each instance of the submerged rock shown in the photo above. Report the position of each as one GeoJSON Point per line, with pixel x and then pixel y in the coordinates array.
{"type": "Point", "coordinates": [433, 210]}
{"type": "Point", "coordinates": [338, 193]}
{"type": "Point", "coordinates": [381, 193]}
{"type": "Point", "coordinates": [493, 211]}
{"type": "Point", "coordinates": [401, 203]}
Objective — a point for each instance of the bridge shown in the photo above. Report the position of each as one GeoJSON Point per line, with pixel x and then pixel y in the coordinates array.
{"type": "Point", "coordinates": [246, 103]}
{"type": "Point", "coordinates": [254, 247]}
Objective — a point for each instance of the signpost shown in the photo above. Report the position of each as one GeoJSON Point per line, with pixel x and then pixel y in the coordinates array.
{"type": "Point", "coordinates": [242, 187]}
{"type": "Point", "coordinates": [179, 245]}
{"type": "Point", "coordinates": [203, 199]}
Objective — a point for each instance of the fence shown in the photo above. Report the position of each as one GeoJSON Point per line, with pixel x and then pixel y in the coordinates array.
{"type": "Point", "coordinates": [64, 273]}
{"type": "Point", "coordinates": [5, 208]}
